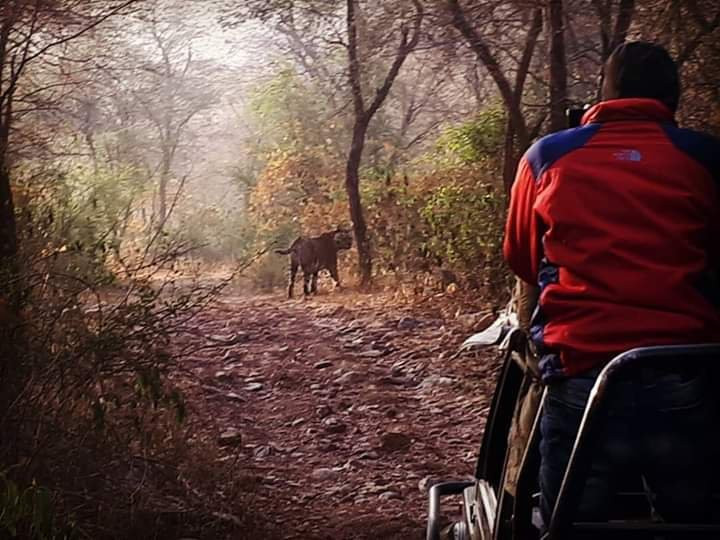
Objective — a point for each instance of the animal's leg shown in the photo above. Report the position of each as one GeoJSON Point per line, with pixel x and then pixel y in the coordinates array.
{"type": "Point", "coordinates": [293, 272]}
{"type": "Point", "coordinates": [334, 274]}
{"type": "Point", "coordinates": [313, 283]}
{"type": "Point", "coordinates": [307, 277]}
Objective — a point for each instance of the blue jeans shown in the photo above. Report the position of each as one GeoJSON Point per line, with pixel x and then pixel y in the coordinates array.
{"type": "Point", "coordinates": [661, 425]}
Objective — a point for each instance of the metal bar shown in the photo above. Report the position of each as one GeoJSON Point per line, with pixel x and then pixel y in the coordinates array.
{"type": "Point", "coordinates": [576, 472]}
{"type": "Point", "coordinates": [489, 504]}
{"type": "Point", "coordinates": [434, 494]}
{"type": "Point", "coordinates": [529, 468]}
{"type": "Point", "coordinates": [493, 449]}
{"type": "Point", "coordinates": [470, 510]}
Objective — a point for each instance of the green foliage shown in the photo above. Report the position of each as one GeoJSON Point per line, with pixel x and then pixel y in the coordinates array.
{"type": "Point", "coordinates": [450, 211]}
{"type": "Point", "coordinates": [28, 513]}
{"type": "Point", "coordinates": [286, 112]}
{"type": "Point", "coordinates": [95, 359]}
{"type": "Point", "coordinates": [396, 231]}
{"type": "Point", "coordinates": [269, 272]}
{"type": "Point", "coordinates": [451, 218]}
{"type": "Point", "coordinates": [94, 206]}
{"type": "Point", "coordinates": [217, 234]}
{"type": "Point", "coordinates": [85, 214]}
{"type": "Point", "coordinates": [464, 225]}
{"type": "Point", "coordinates": [478, 140]}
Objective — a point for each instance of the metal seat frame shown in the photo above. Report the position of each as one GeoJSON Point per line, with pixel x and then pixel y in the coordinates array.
{"type": "Point", "coordinates": [562, 525]}
{"type": "Point", "coordinates": [502, 517]}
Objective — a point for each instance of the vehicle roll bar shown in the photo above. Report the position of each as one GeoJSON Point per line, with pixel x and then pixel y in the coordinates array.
{"type": "Point", "coordinates": [578, 466]}
{"type": "Point", "coordinates": [434, 494]}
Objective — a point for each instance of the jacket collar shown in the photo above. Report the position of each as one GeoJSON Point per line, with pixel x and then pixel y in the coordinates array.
{"type": "Point", "coordinates": [628, 109]}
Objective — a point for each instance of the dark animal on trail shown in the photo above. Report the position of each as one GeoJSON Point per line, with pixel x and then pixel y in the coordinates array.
{"type": "Point", "coordinates": [315, 254]}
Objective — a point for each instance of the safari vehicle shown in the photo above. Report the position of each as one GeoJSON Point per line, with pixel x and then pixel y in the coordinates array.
{"type": "Point", "coordinates": [490, 513]}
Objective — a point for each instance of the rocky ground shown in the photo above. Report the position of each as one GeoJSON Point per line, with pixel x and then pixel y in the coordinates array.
{"type": "Point", "coordinates": [342, 408]}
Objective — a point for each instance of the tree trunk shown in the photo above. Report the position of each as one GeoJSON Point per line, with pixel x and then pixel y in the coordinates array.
{"type": "Point", "coordinates": [517, 134]}
{"type": "Point", "coordinates": [8, 227]}
{"type": "Point", "coordinates": [12, 367]}
{"type": "Point", "coordinates": [612, 38]}
{"type": "Point", "coordinates": [626, 10]}
{"type": "Point", "coordinates": [162, 188]}
{"type": "Point", "coordinates": [492, 64]}
{"type": "Point", "coordinates": [8, 235]}
{"type": "Point", "coordinates": [509, 157]}
{"type": "Point", "coordinates": [363, 114]}
{"type": "Point", "coordinates": [162, 201]}
{"type": "Point", "coordinates": [352, 186]}
{"type": "Point", "coordinates": [558, 67]}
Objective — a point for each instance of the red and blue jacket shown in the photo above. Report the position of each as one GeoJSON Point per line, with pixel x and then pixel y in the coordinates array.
{"type": "Point", "coordinates": [618, 222]}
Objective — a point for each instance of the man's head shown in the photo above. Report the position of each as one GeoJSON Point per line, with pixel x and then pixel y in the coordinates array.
{"type": "Point", "coordinates": [644, 70]}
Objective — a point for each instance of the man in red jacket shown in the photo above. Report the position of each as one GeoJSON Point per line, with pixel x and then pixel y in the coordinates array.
{"type": "Point", "coordinates": [618, 222]}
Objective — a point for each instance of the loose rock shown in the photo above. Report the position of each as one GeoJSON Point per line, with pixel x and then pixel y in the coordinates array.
{"type": "Point", "coordinates": [436, 380]}
{"type": "Point", "coordinates": [230, 437]}
{"type": "Point", "coordinates": [322, 364]}
{"type": "Point", "coordinates": [323, 411]}
{"type": "Point", "coordinates": [395, 442]}
{"type": "Point", "coordinates": [324, 474]}
{"type": "Point", "coordinates": [372, 353]}
{"type": "Point", "coordinates": [333, 425]}
{"type": "Point", "coordinates": [407, 323]}
{"type": "Point", "coordinates": [235, 397]}
{"type": "Point", "coordinates": [351, 377]}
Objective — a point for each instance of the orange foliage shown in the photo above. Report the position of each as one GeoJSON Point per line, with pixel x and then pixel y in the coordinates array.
{"type": "Point", "coordinates": [305, 189]}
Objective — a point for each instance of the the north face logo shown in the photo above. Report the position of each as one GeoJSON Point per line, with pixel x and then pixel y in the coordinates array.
{"type": "Point", "coordinates": [628, 155]}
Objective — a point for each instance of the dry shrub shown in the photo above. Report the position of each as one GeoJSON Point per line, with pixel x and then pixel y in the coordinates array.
{"type": "Point", "coordinates": [268, 273]}
{"type": "Point", "coordinates": [95, 437]}
{"type": "Point", "coordinates": [441, 228]}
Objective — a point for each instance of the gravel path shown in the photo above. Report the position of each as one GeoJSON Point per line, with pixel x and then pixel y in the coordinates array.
{"type": "Point", "coordinates": [340, 409]}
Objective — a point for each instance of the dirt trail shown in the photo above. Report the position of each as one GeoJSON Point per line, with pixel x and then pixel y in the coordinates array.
{"type": "Point", "coordinates": [341, 408]}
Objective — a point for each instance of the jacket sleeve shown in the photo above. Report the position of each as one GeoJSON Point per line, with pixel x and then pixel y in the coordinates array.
{"type": "Point", "coordinates": [522, 247]}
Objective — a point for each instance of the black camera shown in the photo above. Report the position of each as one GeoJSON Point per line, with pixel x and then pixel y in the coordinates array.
{"type": "Point", "coordinates": [574, 115]}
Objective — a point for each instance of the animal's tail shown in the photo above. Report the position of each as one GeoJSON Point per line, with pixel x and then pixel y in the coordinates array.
{"type": "Point", "coordinates": [289, 250]}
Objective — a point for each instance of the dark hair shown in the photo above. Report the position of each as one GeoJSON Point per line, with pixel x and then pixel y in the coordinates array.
{"type": "Point", "coordinates": [641, 69]}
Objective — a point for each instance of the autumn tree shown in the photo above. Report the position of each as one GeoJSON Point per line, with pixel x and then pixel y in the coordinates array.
{"type": "Point", "coordinates": [175, 87]}
{"type": "Point", "coordinates": [363, 114]}
{"type": "Point", "coordinates": [527, 22]}
{"type": "Point", "coordinates": [614, 23]}
{"type": "Point", "coordinates": [691, 31]}
{"type": "Point", "coordinates": [29, 32]}
{"type": "Point", "coordinates": [558, 65]}
{"type": "Point", "coordinates": [360, 31]}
